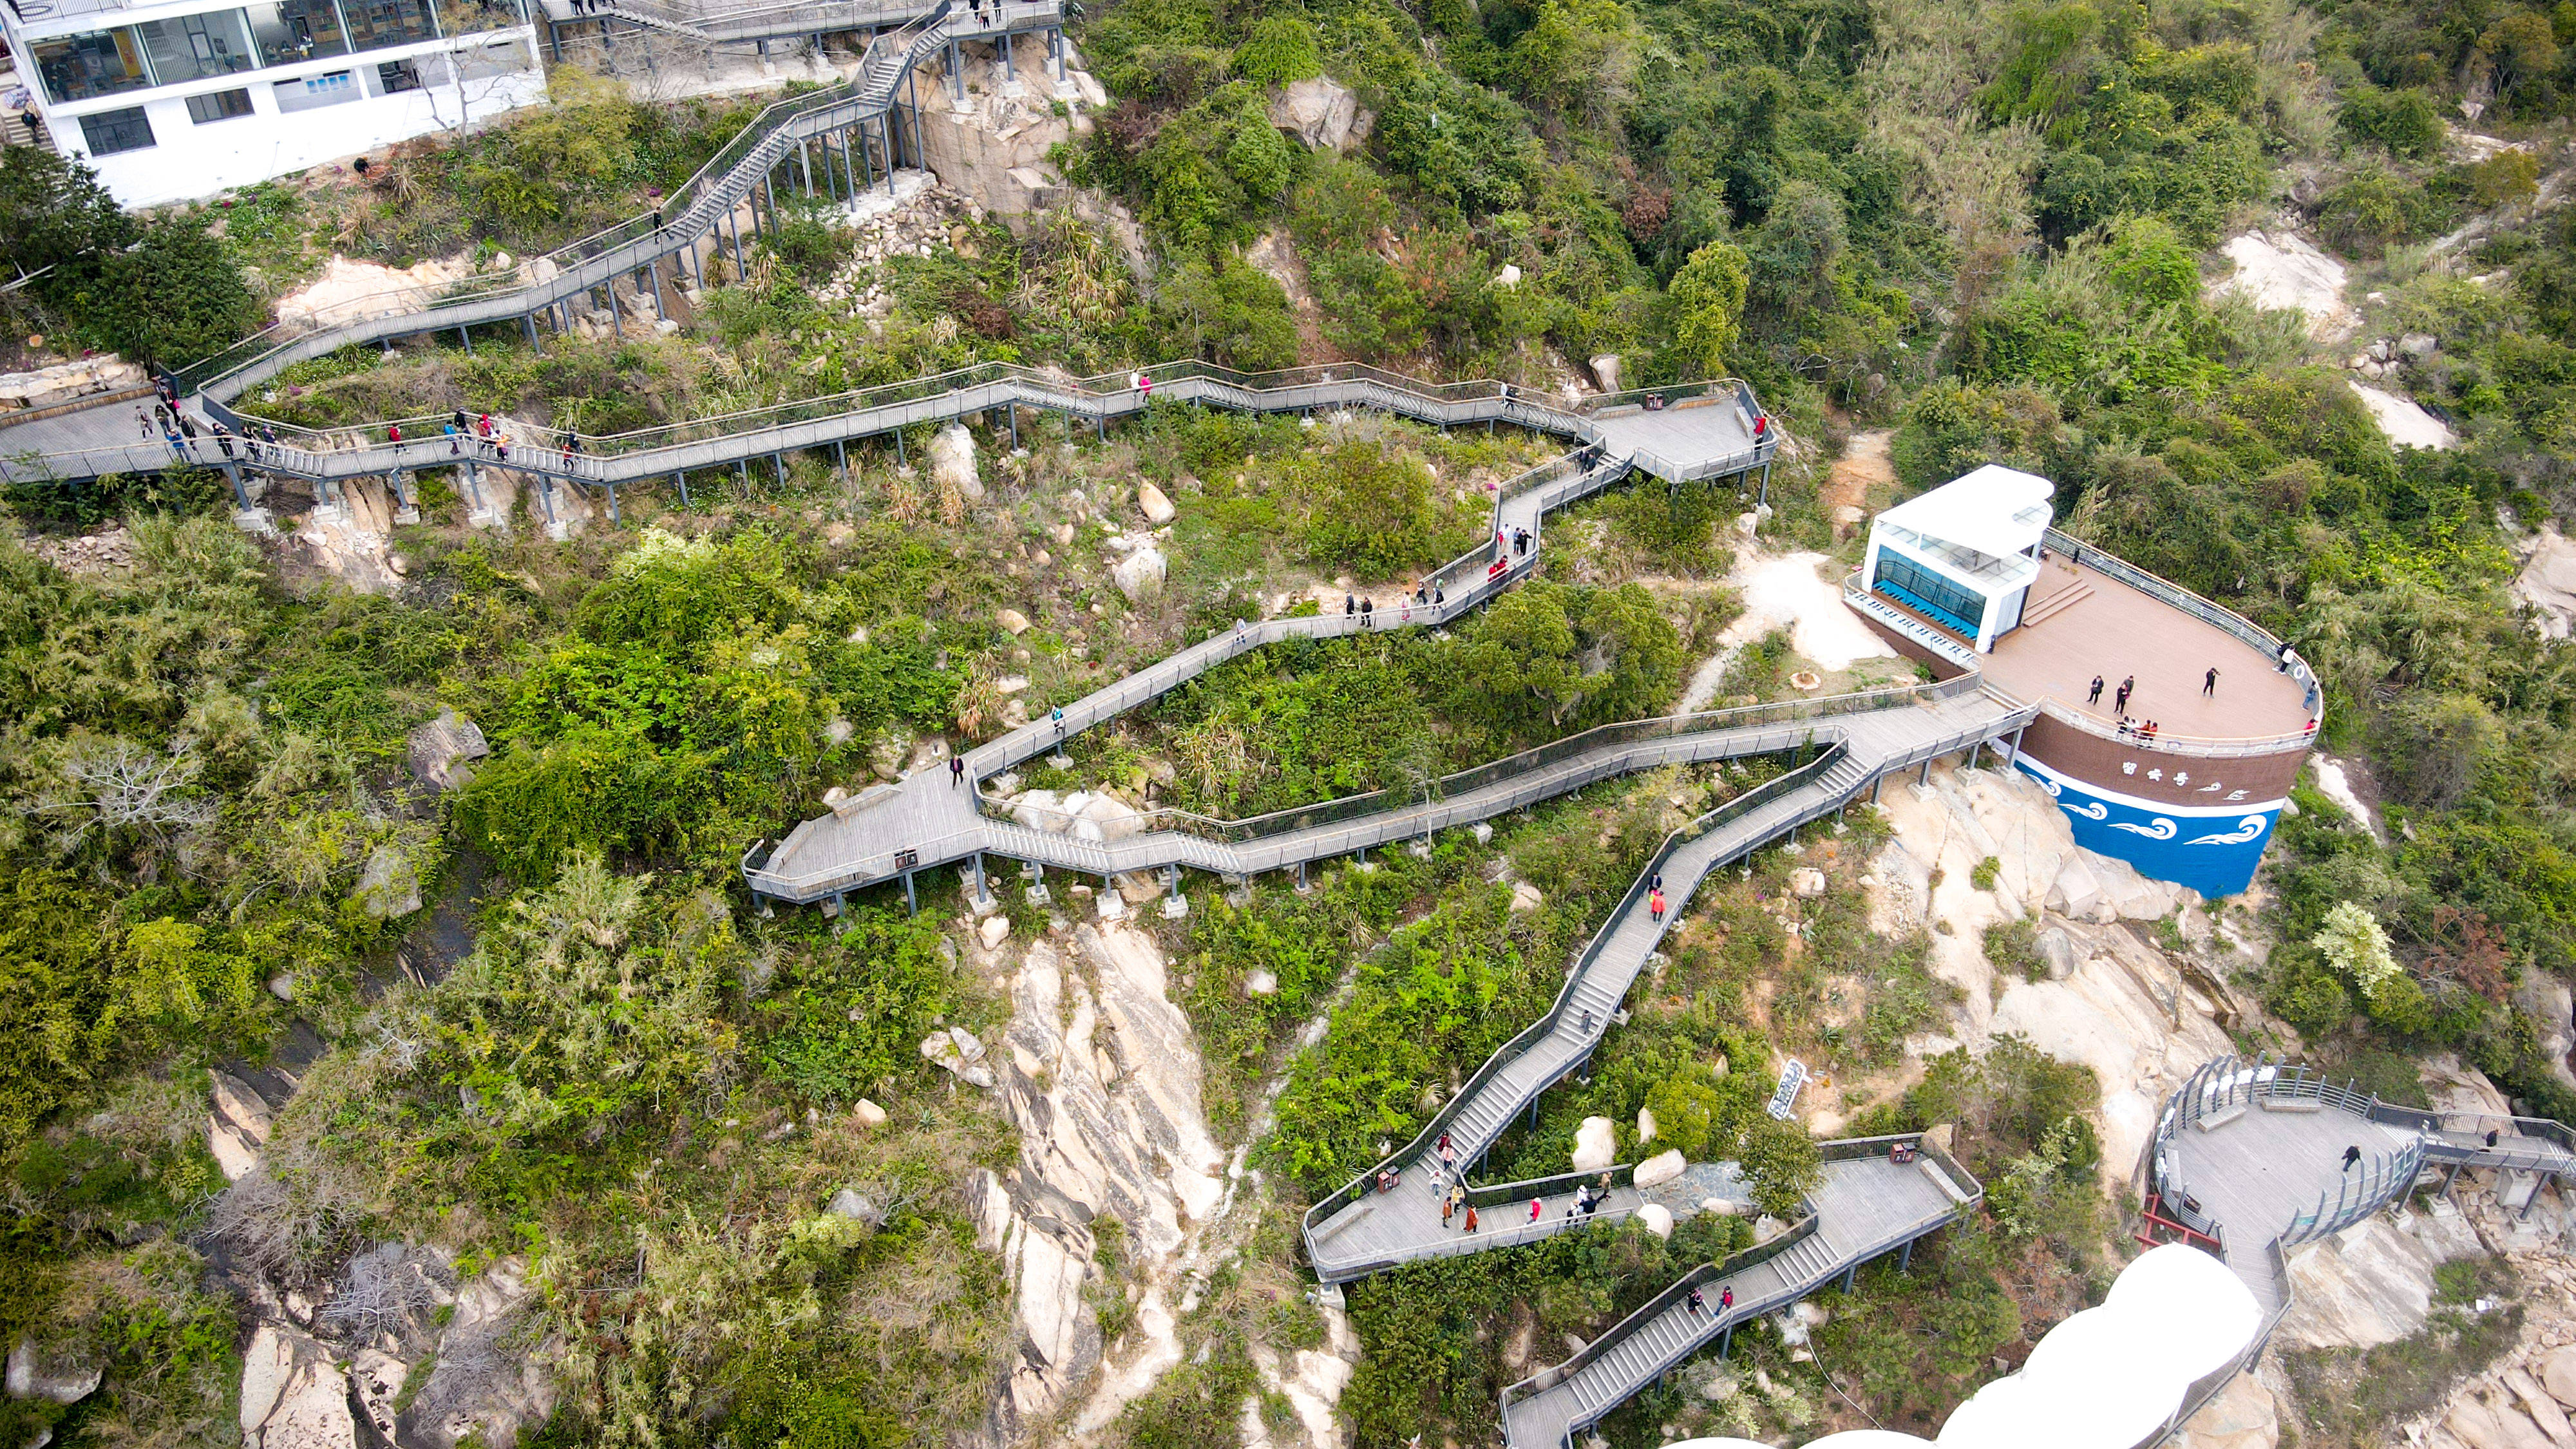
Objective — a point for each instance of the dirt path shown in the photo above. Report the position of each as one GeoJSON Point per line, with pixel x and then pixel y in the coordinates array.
{"type": "Point", "coordinates": [1863, 466]}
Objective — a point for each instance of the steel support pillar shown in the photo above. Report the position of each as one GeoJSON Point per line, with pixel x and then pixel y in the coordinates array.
{"type": "Point", "coordinates": [841, 458]}
{"type": "Point", "coordinates": [465, 335]}
{"type": "Point", "coordinates": [1975, 752]}
{"type": "Point", "coordinates": [682, 479]}
{"type": "Point", "coordinates": [1848, 1274]}
{"type": "Point", "coordinates": [1905, 1257]}
{"type": "Point", "coordinates": [911, 903]}
{"type": "Point", "coordinates": [529, 321]}
{"type": "Point", "coordinates": [232, 474]}
{"type": "Point", "coordinates": [613, 519]}
{"type": "Point", "coordinates": [983, 893]}
{"type": "Point", "coordinates": [1924, 778]}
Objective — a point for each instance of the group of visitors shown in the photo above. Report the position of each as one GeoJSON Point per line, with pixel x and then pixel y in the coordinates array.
{"type": "Point", "coordinates": [180, 431]}
{"type": "Point", "coordinates": [2145, 731]}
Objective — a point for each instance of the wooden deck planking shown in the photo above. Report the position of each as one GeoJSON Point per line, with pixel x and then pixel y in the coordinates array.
{"type": "Point", "coordinates": [2116, 631]}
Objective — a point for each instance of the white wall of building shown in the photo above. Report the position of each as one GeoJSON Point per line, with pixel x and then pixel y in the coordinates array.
{"type": "Point", "coordinates": [465, 82]}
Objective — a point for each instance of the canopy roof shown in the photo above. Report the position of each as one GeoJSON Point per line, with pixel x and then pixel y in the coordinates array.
{"type": "Point", "coordinates": [1995, 511]}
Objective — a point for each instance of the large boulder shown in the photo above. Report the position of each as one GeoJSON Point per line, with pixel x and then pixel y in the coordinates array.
{"type": "Point", "coordinates": [1038, 810]}
{"type": "Point", "coordinates": [958, 1051]}
{"type": "Point", "coordinates": [1106, 817]}
{"type": "Point", "coordinates": [237, 1129]}
{"type": "Point", "coordinates": [35, 1373]}
{"type": "Point", "coordinates": [1156, 504]}
{"type": "Point", "coordinates": [442, 752]}
{"type": "Point", "coordinates": [2242, 1415]}
{"type": "Point", "coordinates": [1140, 575]}
{"type": "Point", "coordinates": [952, 462]}
{"type": "Point", "coordinates": [1656, 1219]}
{"type": "Point", "coordinates": [1661, 1168]}
{"type": "Point", "coordinates": [1596, 1144]}
{"type": "Point", "coordinates": [1321, 112]}
{"type": "Point", "coordinates": [389, 886]}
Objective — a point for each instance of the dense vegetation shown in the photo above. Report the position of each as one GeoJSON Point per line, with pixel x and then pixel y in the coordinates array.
{"type": "Point", "coordinates": [1987, 225]}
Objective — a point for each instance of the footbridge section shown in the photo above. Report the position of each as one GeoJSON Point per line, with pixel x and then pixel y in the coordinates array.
{"type": "Point", "coordinates": [2255, 1156]}
{"type": "Point", "coordinates": [1880, 1195]}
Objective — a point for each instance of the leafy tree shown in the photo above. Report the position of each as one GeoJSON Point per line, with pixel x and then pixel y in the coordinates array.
{"type": "Point", "coordinates": [1708, 308]}
{"type": "Point", "coordinates": [2405, 121]}
{"type": "Point", "coordinates": [1281, 49]}
{"type": "Point", "coordinates": [1780, 1164]}
{"type": "Point", "coordinates": [1229, 312]}
{"type": "Point", "coordinates": [845, 1018]}
{"type": "Point", "coordinates": [54, 210]}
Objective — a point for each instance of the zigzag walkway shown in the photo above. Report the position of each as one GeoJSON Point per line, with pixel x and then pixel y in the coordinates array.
{"type": "Point", "coordinates": [1869, 1205]}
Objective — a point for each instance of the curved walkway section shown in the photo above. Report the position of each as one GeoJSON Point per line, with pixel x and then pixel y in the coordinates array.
{"type": "Point", "coordinates": [2253, 1157]}
{"type": "Point", "coordinates": [696, 209]}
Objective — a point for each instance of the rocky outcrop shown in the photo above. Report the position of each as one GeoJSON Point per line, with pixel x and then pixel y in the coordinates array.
{"type": "Point", "coordinates": [442, 752]}
{"type": "Point", "coordinates": [237, 1128]}
{"type": "Point", "coordinates": [63, 382]}
{"type": "Point", "coordinates": [1323, 113]}
{"type": "Point", "coordinates": [293, 1393]}
{"type": "Point", "coordinates": [2548, 582]}
{"type": "Point", "coordinates": [2367, 1285]}
{"type": "Point", "coordinates": [2244, 1415]}
{"type": "Point", "coordinates": [389, 886]}
{"type": "Point", "coordinates": [489, 1380]}
{"type": "Point", "coordinates": [991, 144]}
{"type": "Point", "coordinates": [1100, 1073]}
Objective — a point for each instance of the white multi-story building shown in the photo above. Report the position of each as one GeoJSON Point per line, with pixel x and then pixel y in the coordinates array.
{"type": "Point", "coordinates": [175, 99]}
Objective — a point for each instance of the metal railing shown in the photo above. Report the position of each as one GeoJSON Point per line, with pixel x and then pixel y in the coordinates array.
{"type": "Point", "coordinates": [717, 189]}
{"type": "Point", "coordinates": [2175, 596]}
{"type": "Point", "coordinates": [1733, 1267]}
{"type": "Point", "coordinates": [1599, 739]}
{"type": "Point", "coordinates": [1511, 1051]}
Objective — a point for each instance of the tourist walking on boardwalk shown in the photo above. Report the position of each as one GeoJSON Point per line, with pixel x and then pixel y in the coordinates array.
{"type": "Point", "coordinates": [178, 446]}
{"type": "Point", "coordinates": [2351, 1158]}
{"type": "Point", "coordinates": [462, 422]}
{"type": "Point", "coordinates": [2120, 699]}
{"type": "Point", "coordinates": [2209, 683]}
{"type": "Point", "coordinates": [224, 439]}
{"type": "Point", "coordinates": [1697, 1303]}
{"type": "Point", "coordinates": [144, 421]}
{"type": "Point", "coordinates": [1368, 609]}
{"type": "Point", "coordinates": [1448, 1206]}
{"type": "Point", "coordinates": [1655, 906]}
{"type": "Point", "coordinates": [455, 440]}
{"type": "Point", "coordinates": [1725, 1299]}
{"type": "Point", "coordinates": [956, 771]}
{"type": "Point", "coordinates": [1350, 605]}
{"type": "Point", "coordinates": [1471, 1217]}
{"type": "Point", "coordinates": [1535, 1209]}
{"type": "Point", "coordinates": [393, 435]}
{"type": "Point", "coordinates": [1058, 718]}
{"type": "Point", "coordinates": [2095, 697]}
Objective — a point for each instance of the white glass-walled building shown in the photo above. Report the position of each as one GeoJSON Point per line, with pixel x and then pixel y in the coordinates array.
{"type": "Point", "coordinates": [1965, 554]}
{"type": "Point", "coordinates": [171, 101]}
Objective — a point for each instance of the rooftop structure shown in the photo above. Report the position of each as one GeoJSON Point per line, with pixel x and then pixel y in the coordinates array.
{"type": "Point", "coordinates": [1964, 554]}
{"type": "Point", "coordinates": [172, 99]}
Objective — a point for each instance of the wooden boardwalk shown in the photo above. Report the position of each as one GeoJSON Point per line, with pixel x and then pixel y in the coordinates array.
{"type": "Point", "coordinates": [2256, 1173]}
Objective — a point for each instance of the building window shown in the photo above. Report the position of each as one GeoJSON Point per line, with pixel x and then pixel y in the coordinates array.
{"type": "Point", "coordinates": [101, 63]}
{"type": "Point", "coordinates": [195, 47]}
{"type": "Point", "coordinates": [376, 24]}
{"type": "Point", "coordinates": [397, 75]}
{"type": "Point", "coordinates": [1912, 584]}
{"type": "Point", "coordinates": [291, 30]}
{"type": "Point", "coordinates": [220, 106]}
{"type": "Point", "coordinates": [317, 90]}
{"type": "Point", "coordinates": [109, 132]}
